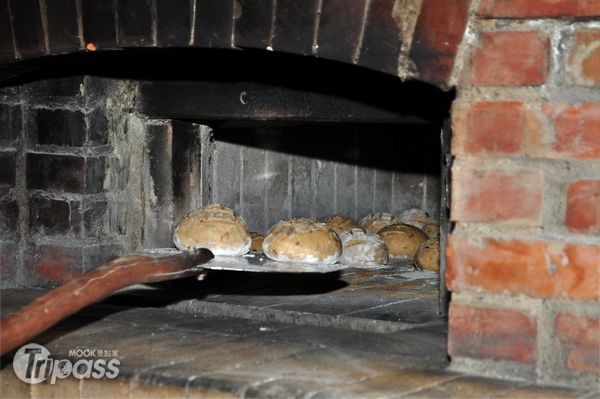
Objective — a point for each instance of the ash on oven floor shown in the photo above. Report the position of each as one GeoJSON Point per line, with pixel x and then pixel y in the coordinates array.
{"type": "Point", "coordinates": [389, 299]}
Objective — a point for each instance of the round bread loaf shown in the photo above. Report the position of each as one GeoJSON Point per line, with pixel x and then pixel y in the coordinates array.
{"type": "Point", "coordinates": [302, 240]}
{"type": "Point", "coordinates": [340, 223]}
{"type": "Point", "coordinates": [214, 227]}
{"type": "Point", "coordinates": [374, 222]}
{"type": "Point", "coordinates": [414, 217]}
{"type": "Point", "coordinates": [402, 240]}
{"type": "Point", "coordinates": [431, 230]}
{"type": "Point", "coordinates": [362, 248]}
{"type": "Point", "coordinates": [428, 255]}
{"type": "Point", "coordinates": [257, 242]}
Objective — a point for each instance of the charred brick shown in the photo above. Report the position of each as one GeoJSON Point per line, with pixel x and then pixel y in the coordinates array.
{"type": "Point", "coordinates": [173, 25]}
{"type": "Point", "coordinates": [66, 173]}
{"type": "Point", "coordinates": [7, 48]}
{"type": "Point", "coordinates": [63, 33]}
{"type": "Point", "coordinates": [135, 22]}
{"type": "Point", "coordinates": [60, 127]}
{"type": "Point", "coordinates": [253, 27]}
{"type": "Point", "coordinates": [54, 217]}
{"type": "Point", "coordinates": [27, 22]}
{"type": "Point", "coordinates": [55, 87]}
{"type": "Point", "coordinates": [214, 23]}
{"type": "Point", "coordinates": [294, 26]}
{"type": "Point", "coordinates": [99, 26]}
{"type": "Point", "coordinates": [10, 124]}
{"type": "Point", "coordinates": [9, 217]}
{"type": "Point", "coordinates": [7, 169]}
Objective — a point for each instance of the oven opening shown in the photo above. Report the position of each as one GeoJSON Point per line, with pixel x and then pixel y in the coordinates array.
{"type": "Point", "coordinates": [271, 136]}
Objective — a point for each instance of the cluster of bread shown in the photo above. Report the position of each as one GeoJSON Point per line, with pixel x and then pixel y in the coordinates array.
{"type": "Point", "coordinates": [411, 235]}
{"type": "Point", "coordinates": [378, 236]}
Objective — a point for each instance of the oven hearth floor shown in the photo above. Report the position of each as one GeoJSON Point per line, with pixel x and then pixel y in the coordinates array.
{"type": "Point", "coordinates": [257, 335]}
{"type": "Point", "coordinates": [379, 300]}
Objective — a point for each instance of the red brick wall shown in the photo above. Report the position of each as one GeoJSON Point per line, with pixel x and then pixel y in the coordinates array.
{"type": "Point", "coordinates": [524, 256]}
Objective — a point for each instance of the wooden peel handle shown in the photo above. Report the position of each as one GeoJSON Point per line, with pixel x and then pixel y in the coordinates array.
{"type": "Point", "coordinates": [19, 327]}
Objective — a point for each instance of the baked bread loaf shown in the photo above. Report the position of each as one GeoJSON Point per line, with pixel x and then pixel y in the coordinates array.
{"type": "Point", "coordinates": [362, 248]}
{"type": "Point", "coordinates": [431, 230]}
{"type": "Point", "coordinates": [302, 240]}
{"type": "Point", "coordinates": [402, 240]}
{"type": "Point", "coordinates": [414, 217]}
{"type": "Point", "coordinates": [428, 255]}
{"type": "Point", "coordinates": [374, 222]}
{"type": "Point", "coordinates": [257, 242]}
{"type": "Point", "coordinates": [214, 227]}
{"type": "Point", "coordinates": [340, 223]}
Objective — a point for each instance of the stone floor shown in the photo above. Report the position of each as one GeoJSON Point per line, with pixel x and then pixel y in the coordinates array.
{"type": "Point", "coordinates": [360, 334]}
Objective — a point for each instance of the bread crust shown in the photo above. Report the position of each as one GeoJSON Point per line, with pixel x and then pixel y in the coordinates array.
{"type": "Point", "coordinates": [402, 240]}
{"type": "Point", "coordinates": [362, 248]}
{"type": "Point", "coordinates": [428, 255]}
{"type": "Point", "coordinates": [415, 217]}
{"type": "Point", "coordinates": [340, 223]}
{"type": "Point", "coordinates": [302, 240]}
{"type": "Point", "coordinates": [214, 227]}
{"type": "Point", "coordinates": [431, 230]}
{"type": "Point", "coordinates": [374, 222]}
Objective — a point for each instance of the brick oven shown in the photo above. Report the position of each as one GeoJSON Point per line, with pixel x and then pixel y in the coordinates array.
{"type": "Point", "coordinates": [119, 117]}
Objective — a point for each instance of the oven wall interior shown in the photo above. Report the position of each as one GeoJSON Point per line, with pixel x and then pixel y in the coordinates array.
{"type": "Point", "coordinates": [272, 173]}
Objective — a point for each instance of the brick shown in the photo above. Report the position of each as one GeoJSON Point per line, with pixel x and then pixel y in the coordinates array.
{"type": "Point", "coordinates": [440, 28]}
{"type": "Point", "coordinates": [51, 264]}
{"type": "Point", "coordinates": [173, 22]}
{"type": "Point", "coordinates": [584, 58]}
{"type": "Point", "coordinates": [340, 29]}
{"type": "Point", "coordinates": [60, 127]}
{"type": "Point", "coordinates": [67, 388]}
{"type": "Point", "coordinates": [96, 255]}
{"type": "Point", "coordinates": [11, 386]}
{"type": "Point", "coordinates": [253, 24]}
{"type": "Point", "coordinates": [491, 195]}
{"type": "Point", "coordinates": [66, 173]}
{"type": "Point", "coordinates": [105, 388]}
{"type": "Point", "coordinates": [54, 217]}
{"type": "Point", "coordinates": [7, 48]}
{"type": "Point", "coordinates": [95, 219]}
{"type": "Point", "coordinates": [499, 334]}
{"type": "Point", "coordinates": [8, 262]}
{"type": "Point", "coordinates": [55, 87]}
{"type": "Point", "coordinates": [63, 32]}
{"type": "Point", "coordinates": [539, 8]}
{"type": "Point", "coordinates": [489, 128]}
{"type": "Point", "coordinates": [27, 25]}
{"type": "Point", "coordinates": [583, 206]}
{"type": "Point", "coordinates": [294, 26]}
{"type": "Point", "coordinates": [7, 169]}
{"type": "Point", "coordinates": [214, 23]}
{"type": "Point", "coordinates": [99, 25]}
{"type": "Point", "coordinates": [10, 124]}
{"type": "Point", "coordinates": [9, 217]}
{"type": "Point", "coordinates": [135, 23]}
{"type": "Point", "coordinates": [511, 59]}
{"type": "Point", "coordinates": [533, 268]}
{"type": "Point", "coordinates": [382, 38]}
{"type": "Point", "coordinates": [577, 129]}
{"type": "Point", "coordinates": [580, 338]}
{"type": "Point", "coordinates": [98, 127]}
